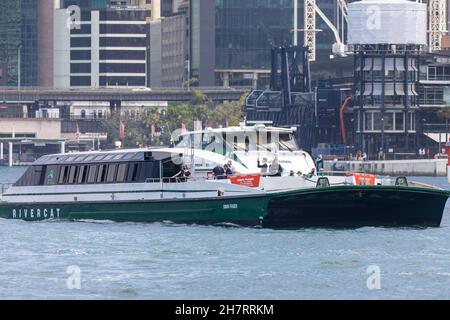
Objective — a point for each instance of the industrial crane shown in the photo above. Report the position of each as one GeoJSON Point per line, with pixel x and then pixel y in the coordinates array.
{"type": "Point", "coordinates": [311, 10]}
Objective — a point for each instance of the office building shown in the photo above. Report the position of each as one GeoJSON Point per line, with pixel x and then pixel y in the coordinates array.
{"type": "Point", "coordinates": [107, 48]}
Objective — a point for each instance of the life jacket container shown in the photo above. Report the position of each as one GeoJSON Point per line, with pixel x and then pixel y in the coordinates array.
{"type": "Point", "coordinates": [363, 179]}
{"type": "Point", "coordinates": [248, 180]}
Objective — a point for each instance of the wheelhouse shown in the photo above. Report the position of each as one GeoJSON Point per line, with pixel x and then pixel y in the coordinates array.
{"type": "Point", "coordinates": [101, 168]}
{"type": "Point", "coordinates": [239, 139]}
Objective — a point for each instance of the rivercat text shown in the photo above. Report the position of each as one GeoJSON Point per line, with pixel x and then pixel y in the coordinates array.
{"type": "Point", "coordinates": [36, 213]}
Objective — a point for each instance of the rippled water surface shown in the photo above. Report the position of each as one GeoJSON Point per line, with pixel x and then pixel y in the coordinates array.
{"type": "Point", "coordinates": [160, 261]}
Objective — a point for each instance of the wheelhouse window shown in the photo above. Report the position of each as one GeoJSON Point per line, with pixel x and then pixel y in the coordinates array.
{"type": "Point", "coordinates": [287, 142]}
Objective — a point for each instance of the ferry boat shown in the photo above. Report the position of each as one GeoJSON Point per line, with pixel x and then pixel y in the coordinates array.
{"type": "Point", "coordinates": [141, 186]}
{"type": "Point", "coordinates": [126, 185]}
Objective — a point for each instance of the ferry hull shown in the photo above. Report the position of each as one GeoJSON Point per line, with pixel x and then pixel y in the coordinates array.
{"type": "Point", "coordinates": [357, 206]}
{"type": "Point", "coordinates": [238, 210]}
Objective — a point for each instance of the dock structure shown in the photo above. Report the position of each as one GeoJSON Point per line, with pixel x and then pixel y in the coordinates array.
{"type": "Point", "coordinates": [418, 167]}
{"type": "Point", "coordinates": [57, 145]}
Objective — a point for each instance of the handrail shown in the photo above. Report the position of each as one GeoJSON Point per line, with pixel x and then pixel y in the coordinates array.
{"type": "Point", "coordinates": [421, 184]}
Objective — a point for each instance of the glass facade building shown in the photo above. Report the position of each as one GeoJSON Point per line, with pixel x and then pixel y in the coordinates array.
{"type": "Point", "coordinates": [246, 30]}
{"type": "Point", "coordinates": [18, 29]}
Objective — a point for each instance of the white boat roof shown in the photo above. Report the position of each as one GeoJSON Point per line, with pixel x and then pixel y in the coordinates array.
{"type": "Point", "coordinates": [255, 128]}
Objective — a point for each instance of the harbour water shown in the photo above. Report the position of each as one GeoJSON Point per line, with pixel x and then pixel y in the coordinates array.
{"type": "Point", "coordinates": [167, 261]}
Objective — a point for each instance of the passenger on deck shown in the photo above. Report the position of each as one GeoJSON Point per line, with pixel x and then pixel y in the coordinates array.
{"type": "Point", "coordinates": [230, 165]}
{"type": "Point", "coordinates": [218, 173]}
{"type": "Point", "coordinates": [263, 166]}
{"type": "Point", "coordinates": [275, 169]}
{"type": "Point", "coordinates": [227, 170]}
{"type": "Point", "coordinates": [319, 162]}
{"type": "Point", "coordinates": [184, 173]}
{"type": "Point", "coordinates": [312, 173]}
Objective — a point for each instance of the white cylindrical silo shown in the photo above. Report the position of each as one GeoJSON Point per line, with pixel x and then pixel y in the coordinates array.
{"type": "Point", "coordinates": [399, 22]}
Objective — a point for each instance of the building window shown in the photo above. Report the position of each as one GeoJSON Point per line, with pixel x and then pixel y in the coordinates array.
{"type": "Point", "coordinates": [122, 68]}
{"type": "Point", "coordinates": [80, 42]}
{"type": "Point", "coordinates": [122, 42]}
{"type": "Point", "coordinates": [122, 81]}
{"type": "Point", "coordinates": [123, 29]}
{"type": "Point", "coordinates": [80, 55]}
{"type": "Point", "coordinates": [80, 81]}
{"type": "Point", "coordinates": [122, 55]}
{"type": "Point", "coordinates": [394, 121]}
{"type": "Point", "coordinates": [80, 68]}
{"type": "Point", "coordinates": [412, 121]}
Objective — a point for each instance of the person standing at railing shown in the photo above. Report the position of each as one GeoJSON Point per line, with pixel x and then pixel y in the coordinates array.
{"type": "Point", "coordinates": [319, 162]}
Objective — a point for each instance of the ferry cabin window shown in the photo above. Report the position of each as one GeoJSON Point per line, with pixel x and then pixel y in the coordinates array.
{"type": "Point", "coordinates": [111, 173]}
{"type": "Point", "coordinates": [101, 176]}
{"type": "Point", "coordinates": [121, 173]}
{"type": "Point", "coordinates": [82, 175]}
{"type": "Point", "coordinates": [51, 175]}
{"type": "Point", "coordinates": [92, 174]}
{"type": "Point", "coordinates": [63, 175]}
{"type": "Point", "coordinates": [32, 177]}
{"type": "Point", "coordinates": [133, 172]}
{"type": "Point", "coordinates": [73, 174]}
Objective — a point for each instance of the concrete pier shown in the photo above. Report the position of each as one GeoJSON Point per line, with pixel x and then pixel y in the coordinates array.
{"type": "Point", "coordinates": [428, 167]}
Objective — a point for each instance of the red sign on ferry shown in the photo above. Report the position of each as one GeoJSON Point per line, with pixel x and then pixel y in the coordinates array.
{"type": "Point", "coordinates": [248, 180]}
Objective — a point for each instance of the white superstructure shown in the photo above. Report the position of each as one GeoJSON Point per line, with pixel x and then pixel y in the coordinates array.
{"type": "Point", "coordinates": [243, 146]}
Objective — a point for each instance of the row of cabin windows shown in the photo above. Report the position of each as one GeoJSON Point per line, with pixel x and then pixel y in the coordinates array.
{"type": "Point", "coordinates": [100, 173]}
{"type": "Point", "coordinates": [89, 174]}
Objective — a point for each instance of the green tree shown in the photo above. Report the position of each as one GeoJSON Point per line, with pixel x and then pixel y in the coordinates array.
{"type": "Point", "coordinates": [138, 131]}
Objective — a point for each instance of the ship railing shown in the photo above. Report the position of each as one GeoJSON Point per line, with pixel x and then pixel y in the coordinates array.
{"type": "Point", "coordinates": [168, 180]}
